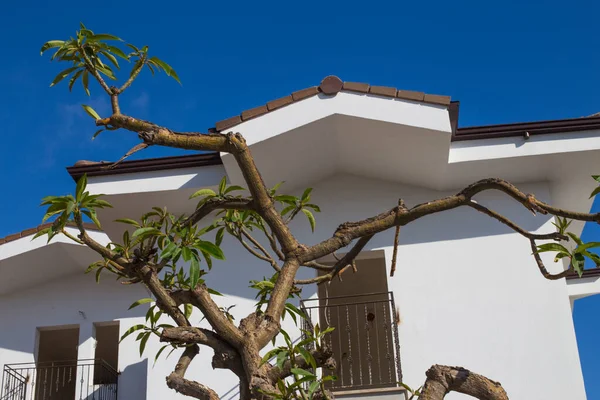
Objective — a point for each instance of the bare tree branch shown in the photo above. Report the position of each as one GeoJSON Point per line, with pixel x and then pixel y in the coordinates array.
{"type": "Point", "coordinates": [442, 380]}
{"type": "Point", "coordinates": [186, 387]}
{"type": "Point", "coordinates": [401, 216]}
{"type": "Point", "coordinates": [542, 267]}
{"type": "Point", "coordinates": [218, 203]}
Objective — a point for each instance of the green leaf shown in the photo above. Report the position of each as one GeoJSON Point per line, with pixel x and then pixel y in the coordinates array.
{"type": "Point", "coordinates": [74, 78]}
{"type": "Point", "coordinates": [189, 309]}
{"type": "Point", "coordinates": [596, 178]}
{"type": "Point", "coordinates": [160, 352]}
{"type": "Point", "coordinates": [578, 262]}
{"type": "Point", "coordinates": [140, 302]}
{"type": "Point", "coordinates": [168, 69]}
{"type": "Point", "coordinates": [91, 214]}
{"type": "Point", "coordinates": [268, 356]}
{"type": "Point", "coordinates": [143, 343]}
{"type": "Point", "coordinates": [90, 111]}
{"type": "Point", "coordinates": [204, 192]}
{"type": "Point", "coordinates": [111, 58]}
{"type": "Point", "coordinates": [81, 184]}
{"type": "Point", "coordinates": [595, 192]}
{"type": "Point", "coordinates": [308, 357]}
{"type": "Point", "coordinates": [210, 248]}
{"type": "Point", "coordinates": [306, 195]}
{"type": "Point", "coordinates": [284, 198]}
{"type": "Point", "coordinates": [145, 232]}
{"type": "Point", "coordinates": [313, 206]}
{"type": "Point", "coordinates": [281, 357]}
{"type": "Point", "coordinates": [85, 81]}
{"type": "Point", "coordinates": [295, 309]}
{"type": "Point", "coordinates": [552, 247]}
{"type": "Point", "coordinates": [219, 236]}
{"type": "Point", "coordinates": [312, 388]}
{"type": "Point", "coordinates": [311, 218]}
{"type": "Point", "coordinates": [128, 221]}
{"type": "Point", "coordinates": [214, 292]}
{"type": "Point", "coordinates": [131, 330]}
{"type": "Point", "coordinates": [288, 209]}
{"type": "Point", "coordinates": [186, 253]}
{"type": "Point", "coordinates": [118, 52]}
{"type": "Point", "coordinates": [104, 36]}
{"type": "Point", "coordinates": [560, 256]}
{"type": "Point", "coordinates": [302, 372]}
{"type": "Point", "coordinates": [51, 44]}
{"type": "Point", "coordinates": [222, 185]}
{"type": "Point", "coordinates": [99, 131]}
{"type": "Point", "coordinates": [575, 238]}
{"type": "Point", "coordinates": [194, 272]}
{"type": "Point", "coordinates": [233, 188]}
{"type": "Point", "coordinates": [589, 245]}
{"type": "Point", "coordinates": [63, 74]}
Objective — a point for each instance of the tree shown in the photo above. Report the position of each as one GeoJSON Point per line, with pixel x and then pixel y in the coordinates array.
{"type": "Point", "coordinates": [161, 242]}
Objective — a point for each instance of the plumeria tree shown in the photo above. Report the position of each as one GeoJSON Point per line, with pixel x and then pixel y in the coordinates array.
{"type": "Point", "coordinates": [171, 254]}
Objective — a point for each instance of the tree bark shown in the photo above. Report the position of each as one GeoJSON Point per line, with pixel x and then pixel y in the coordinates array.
{"type": "Point", "coordinates": [442, 380]}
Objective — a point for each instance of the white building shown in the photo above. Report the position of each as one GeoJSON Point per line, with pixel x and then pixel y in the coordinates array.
{"type": "Point", "coordinates": [467, 290]}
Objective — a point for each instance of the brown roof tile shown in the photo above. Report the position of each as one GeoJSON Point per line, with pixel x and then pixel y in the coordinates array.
{"type": "Point", "coordinates": [31, 231]}
{"type": "Point", "coordinates": [383, 91]}
{"type": "Point", "coordinates": [356, 87]}
{"type": "Point", "coordinates": [228, 123]}
{"type": "Point", "coordinates": [304, 93]}
{"type": "Point", "coordinates": [409, 95]}
{"type": "Point", "coordinates": [254, 112]}
{"type": "Point", "coordinates": [437, 99]}
{"type": "Point", "coordinates": [330, 85]}
{"type": "Point", "coordinates": [284, 101]}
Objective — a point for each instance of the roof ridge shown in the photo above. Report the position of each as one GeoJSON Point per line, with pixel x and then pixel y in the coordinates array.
{"type": "Point", "coordinates": [330, 86]}
{"type": "Point", "coordinates": [31, 231]}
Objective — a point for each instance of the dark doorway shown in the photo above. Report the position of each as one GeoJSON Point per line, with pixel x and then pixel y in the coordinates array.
{"type": "Point", "coordinates": [106, 354]}
{"type": "Point", "coordinates": [359, 308]}
{"type": "Point", "coordinates": [56, 372]}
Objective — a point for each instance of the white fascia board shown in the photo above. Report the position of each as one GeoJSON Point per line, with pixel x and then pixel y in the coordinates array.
{"type": "Point", "coordinates": [26, 244]}
{"type": "Point", "coordinates": [404, 112]}
{"type": "Point", "coordinates": [156, 181]}
{"type": "Point", "coordinates": [583, 287]}
{"type": "Point", "coordinates": [517, 146]}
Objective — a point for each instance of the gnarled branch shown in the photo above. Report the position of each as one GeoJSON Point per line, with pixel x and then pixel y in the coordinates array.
{"type": "Point", "coordinates": [442, 380]}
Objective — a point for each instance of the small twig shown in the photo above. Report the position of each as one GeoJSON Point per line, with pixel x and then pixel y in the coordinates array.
{"type": "Point", "coordinates": [542, 267]}
{"type": "Point", "coordinates": [396, 236]}
{"type": "Point", "coordinates": [133, 75]}
{"type": "Point", "coordinates": [73, 238]}
{"type": "Point", "coordinates": [267, 257]}
{"type": "Point", "coordinates": [133, 150]}
{"type": "Point", "coordinates": [90, 67]}
{"type": "Point", "coordinates": [515, 227]}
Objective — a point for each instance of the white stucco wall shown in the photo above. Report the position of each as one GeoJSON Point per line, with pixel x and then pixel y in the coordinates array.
{"type": "Point", "coordinates": [467, 288]}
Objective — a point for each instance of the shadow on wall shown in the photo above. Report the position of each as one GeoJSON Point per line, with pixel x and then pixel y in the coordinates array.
{"type": "Point", "coordinates": [133, 381]}
{"type": "Point", "coordinates": [76, 300]}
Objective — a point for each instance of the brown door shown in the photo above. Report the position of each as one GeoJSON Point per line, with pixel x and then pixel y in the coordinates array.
{"type": "Point", "coordinates": [56, 372]}
{"type": "Point", "coordinates": [359, 309]}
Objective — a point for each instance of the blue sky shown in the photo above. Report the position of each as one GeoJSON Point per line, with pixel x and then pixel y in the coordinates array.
{"type": "Point", "coordinates": [505, 61]}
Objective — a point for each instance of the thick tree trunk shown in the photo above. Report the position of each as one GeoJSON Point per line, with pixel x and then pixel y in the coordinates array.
{"type": "Point", "coordinates": [442, 380]}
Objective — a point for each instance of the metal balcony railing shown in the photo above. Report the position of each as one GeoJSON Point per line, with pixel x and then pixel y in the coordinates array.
{"type": "Point", "coordinates": [61, 380]}
{"type": "Point", "coordinates": [365, 339]}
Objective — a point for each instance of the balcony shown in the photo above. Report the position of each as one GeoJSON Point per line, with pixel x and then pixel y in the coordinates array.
{"type": "Point", "coordinates": [68, 380]}
{"type": "Point", "coordinates": [364, 342]}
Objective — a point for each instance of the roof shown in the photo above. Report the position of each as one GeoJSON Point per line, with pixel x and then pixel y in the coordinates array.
{"type": "Point", "coordinates": [524, 128]}
{"type": "Point", "coordinates": [101, 168]}
{"type": "Point", "coordinates": [330, 86]}
{"type": "Point", "coordinates": [587, 273]}
{"type": "Point", "coordinates": [31, 231]}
